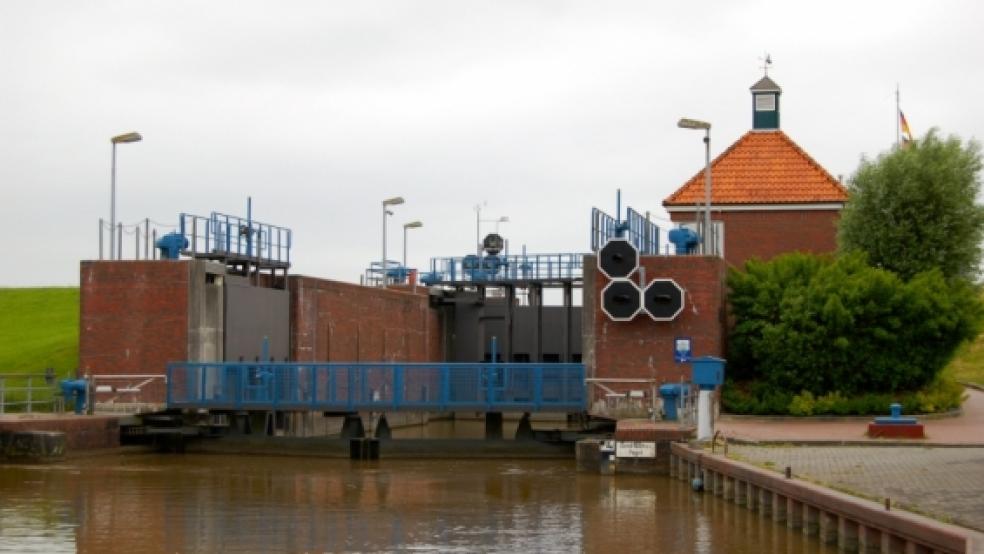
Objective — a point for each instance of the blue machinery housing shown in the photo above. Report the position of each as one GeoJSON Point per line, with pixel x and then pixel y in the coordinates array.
{"type": "Point", "coordinates": [348, 387]}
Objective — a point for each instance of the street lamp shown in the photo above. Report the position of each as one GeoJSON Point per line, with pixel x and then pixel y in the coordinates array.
{"type": "Point", "coordinates": [411, 225]}
{"type": "Point", "coordinates": [124, 138]}
{"type": "Point", "coordinates": [705, 237]}
{"type": "Point", "coordinates": [395, 201]}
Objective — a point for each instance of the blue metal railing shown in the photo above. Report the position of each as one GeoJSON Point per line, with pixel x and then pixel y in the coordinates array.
{"type": "Point", "coordinates": [642, 233]}
{"type": "Point", "coordinates": [396, 274]}
{"type": "Point", "coordinates": [377, 386]}
{"type": "Point", "coordinates": [236, 237]}
{"type": "Point", "coordinates": [522, 267]}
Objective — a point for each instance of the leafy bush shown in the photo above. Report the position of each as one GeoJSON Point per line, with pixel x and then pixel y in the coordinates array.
{"type": "Point", "coordinates": [823, 325]}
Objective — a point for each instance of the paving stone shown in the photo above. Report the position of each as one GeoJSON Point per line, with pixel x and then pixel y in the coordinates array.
{"type": "Point", "coordinates": [945, 483]}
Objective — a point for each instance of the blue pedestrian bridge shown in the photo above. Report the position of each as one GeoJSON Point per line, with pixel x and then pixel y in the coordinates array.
{"type": "Point", "coordinates": [380, 387]}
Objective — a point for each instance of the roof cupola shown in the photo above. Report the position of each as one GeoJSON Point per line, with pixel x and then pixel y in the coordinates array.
{"type": "Point", "coordinates": [765, 104]}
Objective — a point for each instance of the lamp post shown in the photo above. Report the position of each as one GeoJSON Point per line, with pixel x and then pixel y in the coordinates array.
{"type": "Point", "coordinates": [705, 237]}
{"type": "Point", "coordinates": [503, 219]}
{"type": "Point", "coordinates": [395, 201]}
{"type": "Point", "coordinates": [124, 138]}
{"type": "Point", "coordinates": [411, 225]}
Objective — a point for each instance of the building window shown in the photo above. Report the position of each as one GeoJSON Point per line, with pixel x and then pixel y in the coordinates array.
{"type": "Point", "coordinates": [765, 102]}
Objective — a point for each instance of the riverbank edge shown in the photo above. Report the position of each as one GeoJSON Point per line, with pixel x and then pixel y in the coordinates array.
{"type": "Point", "coordinates": [836, 517]}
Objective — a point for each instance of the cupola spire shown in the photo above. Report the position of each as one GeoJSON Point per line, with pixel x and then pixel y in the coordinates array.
{"type": "Point", "coordinates": [765, 100]}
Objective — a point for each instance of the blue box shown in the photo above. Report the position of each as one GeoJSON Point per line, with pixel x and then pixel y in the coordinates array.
{"type": "Point", "coordinates": [671, 394]}
{"type": "Point", "coordinates": [708, 372]}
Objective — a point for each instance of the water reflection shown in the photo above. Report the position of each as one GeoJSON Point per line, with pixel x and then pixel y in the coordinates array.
{"type": "Point", "coordinates": [250, 504]}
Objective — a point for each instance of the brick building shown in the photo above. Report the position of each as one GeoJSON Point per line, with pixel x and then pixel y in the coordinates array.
{"type": "Point", "coordinates": [768, 196]}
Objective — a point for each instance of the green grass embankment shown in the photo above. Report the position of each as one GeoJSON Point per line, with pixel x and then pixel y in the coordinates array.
{"type": "Point", "coordinates": [968, 365]}
{"type": "Point", "coordinates": [39, 328]}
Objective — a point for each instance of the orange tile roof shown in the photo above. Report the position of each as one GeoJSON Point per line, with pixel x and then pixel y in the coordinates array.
{"type": "Point", "coordinates": [762, 167]}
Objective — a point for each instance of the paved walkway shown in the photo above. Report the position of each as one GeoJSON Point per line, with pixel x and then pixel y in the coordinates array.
{"type": "Point", "coordinates": [945, 483]}
{"type": "Point", "coordinates": [968, 428]}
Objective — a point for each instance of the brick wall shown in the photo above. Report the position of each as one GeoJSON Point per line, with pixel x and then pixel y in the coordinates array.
{"type": "Point", "coordinates": [643, 348]}
{"type": "Point", "coordinates": [334, 321]}
{"type": "Point", "coordinates": [766, 234]}
{"type": "Point", "coordinates": [134, 319]}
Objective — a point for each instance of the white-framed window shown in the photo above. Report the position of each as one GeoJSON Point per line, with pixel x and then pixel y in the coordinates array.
{"type": "Point", "coordinates": [717, 236]}
{"type": "Point", "coordinates": [765, 102]}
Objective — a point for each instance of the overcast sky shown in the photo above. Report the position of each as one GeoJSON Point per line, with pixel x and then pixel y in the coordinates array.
{"type": "Point", "coordinates": [320, 110]}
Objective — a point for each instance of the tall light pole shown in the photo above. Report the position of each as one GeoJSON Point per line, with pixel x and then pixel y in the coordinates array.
{"type": "Point", "coordinates": [395, 201]}
{"type": "Point", "coordinates": [706, 244]}
{"type": "Point", "coordinates": [124, 138]}
{"type": "Point", "coordinates": [478, 225]}
{"type": "Point", "coordinates": [503, 219]}
{"type": "Point", "coordinates": [411, 225]}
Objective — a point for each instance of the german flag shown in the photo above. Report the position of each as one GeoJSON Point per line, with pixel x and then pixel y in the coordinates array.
{"type": "Point", "coordinates": [904, 127]}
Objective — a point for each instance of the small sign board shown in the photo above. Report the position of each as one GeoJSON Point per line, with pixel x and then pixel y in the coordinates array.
{"type": "Point", "coordinates": [608, 446]}
{"type": "Point", "coordinates": [682, 352]}
{"type": "Point", "coordinates": [635, 449]}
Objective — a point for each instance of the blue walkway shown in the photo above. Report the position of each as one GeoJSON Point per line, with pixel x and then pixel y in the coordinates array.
{"type": "Point", "coordinates": [380, 387]}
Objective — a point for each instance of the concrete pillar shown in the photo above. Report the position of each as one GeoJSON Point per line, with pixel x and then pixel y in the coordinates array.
{"type": "Point", "coordinates": [383, 429]}
{"type": "Point", "coordinates": [794, 514]}
{"type": "Point", "coordinates": [493, 426]}
{"type": "Point", "coordinates": [847, 534]}
{"type": "Point", "coordinates": [719, 484]}
{"type": "Point", "coordinates": [729, 488]}
{"type": "Point", "coordinates": [779, 504]}
{"type": "Point", "coordinates": [827, 531]}
{"type": "Point", "coordinates": [869, 539]}
{"type": "Point", "coordinates": [673, 466]}
{"type": "Point", "coordinates": [352, 428]}
{"type": "Point", "coordinates": [741, 492]}
{"type": "Point", "coordinates": [811, 520]}
{"type": "Point", "coordinates": [751, 496]}
{"type": "Point", "coordinates": [524, 431]}
{"type": "Point", "coordinates": [891, 543]}
{"type": "Point", "coordinates": [765, 502]}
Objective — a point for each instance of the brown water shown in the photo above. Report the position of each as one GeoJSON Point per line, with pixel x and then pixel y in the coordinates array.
{"type": "Point", "coordinates": [200, 503]}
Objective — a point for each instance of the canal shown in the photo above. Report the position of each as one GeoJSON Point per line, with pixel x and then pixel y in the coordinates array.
{"type": "Point", "coordinates": [207, 503]}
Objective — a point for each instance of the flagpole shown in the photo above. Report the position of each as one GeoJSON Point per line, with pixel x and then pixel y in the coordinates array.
{"type": "Point", "coordinates": [898, 117]}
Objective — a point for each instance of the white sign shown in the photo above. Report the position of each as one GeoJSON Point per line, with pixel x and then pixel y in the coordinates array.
{"type": "Point", "coordinates": [625, 449]}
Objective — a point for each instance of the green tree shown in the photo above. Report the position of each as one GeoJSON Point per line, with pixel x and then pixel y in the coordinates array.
{"type": "Point", "coordinates": [915, 208]}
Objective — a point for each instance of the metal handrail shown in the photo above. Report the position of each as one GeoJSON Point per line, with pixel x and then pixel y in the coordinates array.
{"type": "Point", "coordinates": [31, 389]}
{"type": "Point", "coordinates": [231, 236]}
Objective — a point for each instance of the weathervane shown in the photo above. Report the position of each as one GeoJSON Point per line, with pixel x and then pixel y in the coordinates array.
{"type": "Point", "coordinates": [766, 62]}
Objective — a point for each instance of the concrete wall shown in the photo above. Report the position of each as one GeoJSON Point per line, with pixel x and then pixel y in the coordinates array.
{"type": "Point", "coordinates": [81, 432]}
{"type": "Point", "coordinates": [206, 311]}
{"type": "Point", "coordinates": [766, 234]}
{"type": "Point", "coordinates": [643, 348]}
{"type": "Point", "coordinates": [334, 321]}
